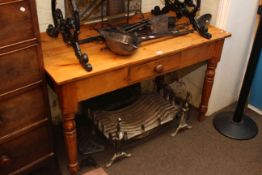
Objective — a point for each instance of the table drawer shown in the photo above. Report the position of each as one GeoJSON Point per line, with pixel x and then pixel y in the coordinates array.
{"type": "Point", "coordinates": [19, 68]}
{"type": "Point", "coordinates": [21, 110]}
{"type": "Point", "coordinates": [154, 68]}
{"type": "Point", "coordinates": [24, 150]}
{"type": "Point", "coordinates": [16, 22]}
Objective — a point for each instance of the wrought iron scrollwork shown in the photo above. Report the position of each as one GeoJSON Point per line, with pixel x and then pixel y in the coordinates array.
{"type": "Point", "coordinates": [70, 29]}
{"type": "Point", "coordinates": [189, 9]}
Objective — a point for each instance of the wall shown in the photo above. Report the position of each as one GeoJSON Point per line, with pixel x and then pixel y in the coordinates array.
{"type": "Point", "coordinates": [255, 98]}
{"type": "Point", "coordinates": [210, 6]}
{"type": "Point", "coordinates": [239, 18]}
{"type": "Point", "coordinates": [44, 12]}
{"type": "Point", "coordinates": [241, 22]}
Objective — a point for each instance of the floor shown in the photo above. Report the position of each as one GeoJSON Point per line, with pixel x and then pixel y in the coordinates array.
{"type": "Point", "coordinates": [199, 151]}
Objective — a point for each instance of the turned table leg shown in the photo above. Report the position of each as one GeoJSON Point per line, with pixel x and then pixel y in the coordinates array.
{"type": "Point", "coordinates": [69, 105]}
{"type": "Point", "coordinates": [207, 88]}
{"type": "Point", "coordinates": [209, 79]}
{"type": "Point", "coordinates": [71, 142]}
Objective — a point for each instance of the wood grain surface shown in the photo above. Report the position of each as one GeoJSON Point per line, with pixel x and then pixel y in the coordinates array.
{"type": "Point", "coordinates": [62, 65]}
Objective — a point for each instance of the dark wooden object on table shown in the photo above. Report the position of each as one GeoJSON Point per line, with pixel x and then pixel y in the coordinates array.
{"type": "Point", "coordinates": [25, 134]}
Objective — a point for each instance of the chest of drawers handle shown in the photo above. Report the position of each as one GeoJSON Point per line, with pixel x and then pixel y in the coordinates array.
{"type": "Point", "coordinates": [4, 160]}
{"type": "Point", "coordinates": [159, 68]}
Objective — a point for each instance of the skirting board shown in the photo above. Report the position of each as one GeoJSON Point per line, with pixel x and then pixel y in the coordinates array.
{"type": "Point", "coordinates": [254, 109]}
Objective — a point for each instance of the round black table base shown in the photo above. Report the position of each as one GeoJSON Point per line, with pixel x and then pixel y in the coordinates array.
{"type": "Point", "coordinates": [244, 130]}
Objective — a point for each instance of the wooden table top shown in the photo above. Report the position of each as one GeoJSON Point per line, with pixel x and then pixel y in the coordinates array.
{"type": "Point", "coordinates": [62, 65]}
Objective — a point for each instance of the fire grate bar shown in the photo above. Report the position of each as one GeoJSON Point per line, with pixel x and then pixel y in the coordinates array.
{"type": "Point", "coordinates": [148, 112]}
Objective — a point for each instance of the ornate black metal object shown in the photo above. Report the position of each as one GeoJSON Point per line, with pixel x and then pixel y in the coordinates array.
{"type": "Point", "coordinates": [70, 29]}
{"type": "Point", "coordinates": [188, 9]}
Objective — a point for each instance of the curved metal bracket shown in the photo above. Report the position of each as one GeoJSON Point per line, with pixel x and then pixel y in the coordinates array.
{"type": "Point", "coordinates": [70, 29]}
{"type": "Point", "coordinates": [188, 9]}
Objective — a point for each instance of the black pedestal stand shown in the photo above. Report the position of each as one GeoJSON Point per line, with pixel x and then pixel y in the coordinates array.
{"type": "Point", "coordinates": [237, 125]}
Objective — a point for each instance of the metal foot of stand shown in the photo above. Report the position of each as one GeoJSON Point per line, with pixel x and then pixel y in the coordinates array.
{"type": "Point", "coordinates": [182, 122]}
{"type": "Point", "coordinates": [181, 127]}
{"type": "Point", "coordinates": [244, 130]}
{"type": "Point", "coordinates": [118, 156]}
{"type": "Point", "coordinates": [120, 138]}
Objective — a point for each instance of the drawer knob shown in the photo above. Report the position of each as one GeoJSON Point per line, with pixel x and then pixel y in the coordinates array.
{"type": "Point", "coordinates": [159, 68]}
{"type": "Point", "coordinates": [4, 160]}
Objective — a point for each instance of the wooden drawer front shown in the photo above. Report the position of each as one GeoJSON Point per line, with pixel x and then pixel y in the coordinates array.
{"type": "Point", "coordinates": [24, 150]}
{"type": "Point", "coordinates": [154, 68]}
{"type": "Point", "coordinates": [21, 110]}
{"type": "Point", "coordinates": [16, 22]}
{"type": "Point", "coordinates": [19, 68]}
{"type": "Point", "coordinates": [197, 55]}
{"type": "Point", "coordinates": [101, 83]}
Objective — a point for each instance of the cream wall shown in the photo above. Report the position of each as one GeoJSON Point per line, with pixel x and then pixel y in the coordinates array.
{"type": "Point", "coordinates": [44, 12]}
{"type": "Point", "coordinates": [210, 6]}
{"type": "Point", "coordinates": [240, 20]}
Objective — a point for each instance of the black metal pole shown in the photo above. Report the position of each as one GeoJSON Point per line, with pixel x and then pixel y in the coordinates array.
{"type": "Point", "coordinates": [237, 125]}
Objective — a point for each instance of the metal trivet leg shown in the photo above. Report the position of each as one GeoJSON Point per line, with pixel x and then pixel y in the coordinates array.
{"type": "Point", "coordinates": [118, 156]}
{"type": "Point", "coordinates": [182, 122]}
{"type": "Point", "coordinates": [120, 136]}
